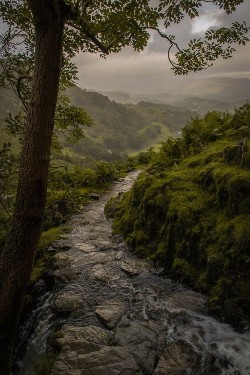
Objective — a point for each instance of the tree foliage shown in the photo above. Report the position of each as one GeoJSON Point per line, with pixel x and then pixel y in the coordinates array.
{"type": "Point", "coordinates": [106, 27]}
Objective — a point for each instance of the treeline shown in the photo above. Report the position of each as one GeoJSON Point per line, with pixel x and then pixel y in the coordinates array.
{"type": "Point", "coordinates": [190, 210]}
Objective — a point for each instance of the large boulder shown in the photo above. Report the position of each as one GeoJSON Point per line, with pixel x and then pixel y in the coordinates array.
{"type": "Point", "coordinates": [144, 340]}
{"type": "Point", "coordinates": [67, 301]}
{"type": "Point", "coordinates": [87, 351]}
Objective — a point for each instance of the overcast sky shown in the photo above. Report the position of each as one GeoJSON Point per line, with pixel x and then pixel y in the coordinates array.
{"type": "Point", "coordinates": [150, 70]}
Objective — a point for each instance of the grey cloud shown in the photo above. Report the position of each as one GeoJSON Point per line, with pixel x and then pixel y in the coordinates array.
{"type": "Point", "coordinates": [150, 69]}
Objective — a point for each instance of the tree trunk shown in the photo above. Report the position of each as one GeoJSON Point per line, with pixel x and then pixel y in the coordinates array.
{"type": "Point", "coordinates": [18, 255]}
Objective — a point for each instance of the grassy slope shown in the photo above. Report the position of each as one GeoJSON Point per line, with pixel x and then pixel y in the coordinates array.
{"type": "Point", "coordinates": [119, 129]}
{"type": "Point", "coordinates": [125, 129]}
{"type": "Point", "coordinates": [191, 215]}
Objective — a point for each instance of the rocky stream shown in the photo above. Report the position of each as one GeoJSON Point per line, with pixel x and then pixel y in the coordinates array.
{"type": "Point", "coordinates": [115, 314]}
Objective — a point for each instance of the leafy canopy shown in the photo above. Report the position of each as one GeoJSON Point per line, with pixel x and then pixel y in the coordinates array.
{"type": "Point", "coordinates": [107, 26]}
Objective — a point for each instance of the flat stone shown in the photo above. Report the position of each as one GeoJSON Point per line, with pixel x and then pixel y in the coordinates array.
{"type": "Point", "coordinates": [86, 247]}
{"type": "Point", "coordinates": [130, 267]}
{"type": "Point", "coordinates": [110, 312]}
{"type": "Point", "coordinates": [99, 273]}
{"type": "Point", "coordinates": [67, 302]}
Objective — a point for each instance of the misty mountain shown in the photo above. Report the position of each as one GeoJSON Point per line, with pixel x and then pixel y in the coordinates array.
{"type": "Point", "coordinates": [200, 95]}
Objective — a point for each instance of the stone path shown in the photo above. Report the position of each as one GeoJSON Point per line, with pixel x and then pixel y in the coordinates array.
{"type": "Point", "coordinates": [117, 316]}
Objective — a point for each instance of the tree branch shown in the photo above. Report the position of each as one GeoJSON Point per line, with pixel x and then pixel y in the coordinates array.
{"type": "Point", "coordinates": [84, 29]}
{"type": "Point", "coordinates": [172, 44]}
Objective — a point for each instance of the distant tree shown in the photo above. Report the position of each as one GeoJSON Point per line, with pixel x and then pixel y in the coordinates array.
{"type": "Point", "coordinates": [41, 38]}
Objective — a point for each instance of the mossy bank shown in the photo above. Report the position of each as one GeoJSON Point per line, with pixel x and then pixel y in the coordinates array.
{"type": "Point", "coordinates": [189, 211]}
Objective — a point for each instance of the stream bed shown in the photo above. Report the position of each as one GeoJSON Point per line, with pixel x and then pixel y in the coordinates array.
{"type": "Point", "coordinates": [111, 313]}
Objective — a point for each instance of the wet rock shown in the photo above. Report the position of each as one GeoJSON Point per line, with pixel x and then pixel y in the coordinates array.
{"type": "Point", "coordinates": [104, 245]}
{"type": "Point", "coordinates": [144, 340]}
{"type": "Point", "coordinates": [87, 351]}
{"type": "Point", "coordinates": [61, 245]}
{"type": "Point", "coordinates": [84, 339]}
{"type": "Point", "coordinates": [99, 273]}
{"type": "Point", "coordinates": [130, 267]}
{"type": "Point", "coordinates": [67, 302]}
{"type": "Point", "coordinates": [178, 358]}
{"type": "Point", "coordinates": [64, 275]}
{"type": "Point", "coordinates": [62, 259]}
{"type": "Point", "coordinates": [61, 369]}
{"type": "Point", "coordinates": [98, 258]}
{"type": "Point", "coordinates": [159, 271]}
{"type": "Point", "coordinates": [124, 322]}
{"type": "Point", "coordinates": [86, 247]}
{"type": "Point", "coordinates": [110, 312]}
{"type": "Point", "coordinates": [109, 361]}
{"type": "Point", "coordinates": [119, 255]}
{"type": "Point", "coordinates": [188, 300]}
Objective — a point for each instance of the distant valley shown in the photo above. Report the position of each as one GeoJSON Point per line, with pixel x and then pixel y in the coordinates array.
{"type": "Point", "coordinates": [118, 130]}
{"type": "Point", "coordinates": [126, 123]}
{"type": "Point", "coordinates": [200, 95]}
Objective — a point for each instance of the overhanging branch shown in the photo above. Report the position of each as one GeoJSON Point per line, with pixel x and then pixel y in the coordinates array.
{"type": "Point", "coordinates": [84, 29]}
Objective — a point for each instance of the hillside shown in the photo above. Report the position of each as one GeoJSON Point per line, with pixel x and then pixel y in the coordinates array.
{"type": "Point", "coordinates": [121, 129]}
{"type": "Point", "coordinates": [190, 211]}
{"type": "Point", "coordinates": [118, 129]}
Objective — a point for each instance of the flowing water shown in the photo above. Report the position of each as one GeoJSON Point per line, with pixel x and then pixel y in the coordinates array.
{"type": "Point", "coordinates": [115, 314]}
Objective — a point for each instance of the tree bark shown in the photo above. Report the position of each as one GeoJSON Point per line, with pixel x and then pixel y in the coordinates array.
{"type": "Point", "coordinates": [18, 255]}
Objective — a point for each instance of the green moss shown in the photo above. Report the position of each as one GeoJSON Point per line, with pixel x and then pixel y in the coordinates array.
{"type": "Point", "coordinates": [183, 270]}
{"type": "Point", "coordinates": [43, 257]}
{"type": "Point", "coordinates": [219, 293]}
{"type": "Point", "coordinates": [190, 211]}
{"type": "Point", "coordinates": [160, 253]}
{"type": "Point", "coordinates": [202, 282]}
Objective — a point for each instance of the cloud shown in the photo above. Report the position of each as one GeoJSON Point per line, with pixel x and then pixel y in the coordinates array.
{"type": "Point", "coordinates": [131, 72]}
{"type": "Point", "coordinates": [205, 21]}
{"type": "Point", "coordinates": [150, 69]}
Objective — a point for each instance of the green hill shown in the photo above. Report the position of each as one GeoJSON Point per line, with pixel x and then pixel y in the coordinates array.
{"type": "Point", "coordinates": [118, 129]}
{"type": "Point", "coordinates": [122, 129]}
{"type": "Point", "coordinates": [190, 211]}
